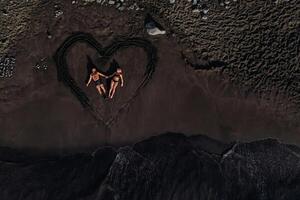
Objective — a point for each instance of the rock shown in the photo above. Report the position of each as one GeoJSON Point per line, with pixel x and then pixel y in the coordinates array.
{"type": "Point", "coordinates": [121, 8]}
{"type": "Point", "coordinates": [49, 35]}
{"type": "Point", "coordinates": [153, 27]}
{"type": "Point", "coordinates": [204, 7]}
{"type": "Point", "coordinates": [168, 166]}
{"type": "Point", "coordinates": [111, 2]}
{"type": "Point", "coordinates": [205, 11]}
{"type": "Point", "coordinates": [196, 10]}
{"type": "Point", "coordinates": [155, 31]}
{"type": "Point", "coordinates": [58, 13]}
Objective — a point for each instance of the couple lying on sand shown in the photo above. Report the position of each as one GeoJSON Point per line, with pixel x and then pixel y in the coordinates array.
{"type": "Point", "coordinates": [116, 78]}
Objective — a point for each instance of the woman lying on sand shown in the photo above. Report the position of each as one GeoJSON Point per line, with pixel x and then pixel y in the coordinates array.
{"type": "Point", "coordinates": [116, 78]}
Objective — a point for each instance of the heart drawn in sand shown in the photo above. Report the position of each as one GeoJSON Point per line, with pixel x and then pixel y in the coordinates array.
{"type": "Point", "coordinates": [106, 53]}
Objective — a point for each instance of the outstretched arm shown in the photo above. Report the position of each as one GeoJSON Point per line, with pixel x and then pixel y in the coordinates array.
{"type": "Point", "coordinates": [111, 75]}
{"type": "Point", "coordinates": [122, 80]}
{"type": "Point", "coordinates": [100, 74]}
{"type": "Point", "coordinates": [89, 81]}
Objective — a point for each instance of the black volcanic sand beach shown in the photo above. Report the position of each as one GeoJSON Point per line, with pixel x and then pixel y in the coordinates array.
{"type": "Point", "coordinates": [39, 112]}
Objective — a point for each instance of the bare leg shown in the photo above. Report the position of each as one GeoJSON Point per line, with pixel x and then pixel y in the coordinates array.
{"type": "Point", "coordinates": [114, 89]}
{"type": "Point", "coordinates": [99, 89]}
{"type": "Point", "coordinates": [103, 88]}
{"type": "Point", "coordinates": [112, 83]}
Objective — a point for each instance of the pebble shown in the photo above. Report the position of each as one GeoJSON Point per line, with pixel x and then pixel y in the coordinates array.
{"type": "Point", "coordinates": [156, 31]}
{"type": "Point", "coordinates": [58, 13]}
{"type": "Point", "coordinates": [205, 11]}
{"type": "Point", "coordinates": [49, 35]}
{"type": "Point", "coordinates": [41, 65]}
{"type": "Point", "coordinates": [118, 4]}
{"type": "Point", "coordinates": [121, 8]}
{"type": "Point", "coordinates": [7, 65]}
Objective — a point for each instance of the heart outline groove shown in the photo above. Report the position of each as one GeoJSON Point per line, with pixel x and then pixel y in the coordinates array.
{"type": "Point", "coordinates": [107, 52]}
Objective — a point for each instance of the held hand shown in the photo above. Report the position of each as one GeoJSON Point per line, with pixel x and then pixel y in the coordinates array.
{"type": "Point", "coordinates": [122, 85]}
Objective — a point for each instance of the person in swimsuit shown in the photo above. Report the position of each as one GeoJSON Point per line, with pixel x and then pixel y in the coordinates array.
{"type": "Point", "coordinates": [116, 78]}
{"type": "Point", "coordinates": [96, 77]}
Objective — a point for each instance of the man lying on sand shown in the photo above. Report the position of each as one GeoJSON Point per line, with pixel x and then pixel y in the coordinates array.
{"type": "Point", "coordinates": [96, 77]}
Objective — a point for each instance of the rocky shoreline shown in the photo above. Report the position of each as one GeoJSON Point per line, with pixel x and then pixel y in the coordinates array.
{"type": "Point", "coordinates": [169, 166]}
